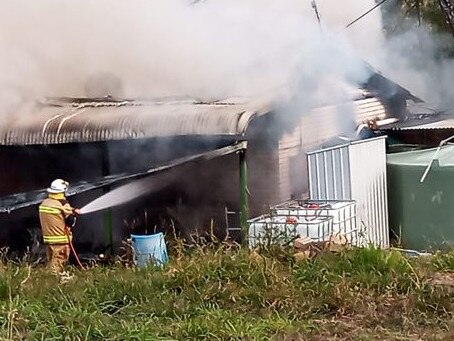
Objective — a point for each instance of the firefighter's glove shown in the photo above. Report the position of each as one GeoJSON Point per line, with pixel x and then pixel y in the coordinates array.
{"type": "Point", "coordinates": [71, 220]}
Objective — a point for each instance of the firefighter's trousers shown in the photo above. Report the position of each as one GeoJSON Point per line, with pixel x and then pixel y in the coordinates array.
{"type": "Point", "coordinates": [57, 257]}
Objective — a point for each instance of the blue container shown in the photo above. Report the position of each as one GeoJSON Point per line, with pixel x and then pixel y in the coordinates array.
{"type": "Point", "coordinates": [149, 248]}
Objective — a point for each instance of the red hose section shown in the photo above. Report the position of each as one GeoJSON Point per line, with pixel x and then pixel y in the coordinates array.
{"type": "Point", "coordinates": [71, 246]}
{"type": "Point", "coordinates": [75, 255]}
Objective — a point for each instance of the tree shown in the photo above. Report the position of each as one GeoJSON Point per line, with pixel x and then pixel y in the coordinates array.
{"type": "Point", "coordinates": [447, 6]}
{"type": "Point", "coordinates": [402, 15]}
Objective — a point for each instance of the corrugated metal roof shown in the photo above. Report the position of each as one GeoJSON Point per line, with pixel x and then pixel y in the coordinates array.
{"type": "Point", "coordinates": [66, 122]}
{"type": "Point", "coordinates": [423, 115]}
{"type": "Point", "coordinates": [442, 124]}
{"type": "Point", "coordinates": [82, 120]}
{"type": "Point", "coordinates": [423, 122]}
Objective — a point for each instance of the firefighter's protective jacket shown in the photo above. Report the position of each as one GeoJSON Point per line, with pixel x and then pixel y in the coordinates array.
{"type": "Point", "coordinates": [52, 215]}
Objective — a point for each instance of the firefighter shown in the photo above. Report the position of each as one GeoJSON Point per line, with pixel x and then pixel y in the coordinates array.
{"type": "Point", "coordinates": [368, 129]}
{"type": "Point", "coordinates": [57, 216]}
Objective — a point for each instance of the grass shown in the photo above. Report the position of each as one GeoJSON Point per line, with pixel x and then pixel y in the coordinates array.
{"type": "Point", "coordinates": [231, 294]}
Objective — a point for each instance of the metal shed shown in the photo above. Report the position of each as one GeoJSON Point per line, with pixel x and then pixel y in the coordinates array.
{"type": "Point", "coordinates": [355, 171]}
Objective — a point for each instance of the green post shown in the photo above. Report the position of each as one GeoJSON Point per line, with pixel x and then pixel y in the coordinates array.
{"type": "Point", "coordinates": [108, 235]}
{"type": "Point", "coordinates": [107, 214]}
{"type": "Point", "coordinates": [244, 200]}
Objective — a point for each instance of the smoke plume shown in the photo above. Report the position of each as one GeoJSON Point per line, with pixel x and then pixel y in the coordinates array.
{"type": "Point", "coordinates": [414, 60]}
{"type": "Point", "coordinates": [208, 49]}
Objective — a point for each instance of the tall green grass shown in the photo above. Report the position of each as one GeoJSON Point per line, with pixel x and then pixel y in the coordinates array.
{"type": "Point", "coordinates": [228, 293]}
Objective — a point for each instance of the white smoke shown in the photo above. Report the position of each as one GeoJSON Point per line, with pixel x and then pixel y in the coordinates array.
{"type": "Point", "coordinates": [211, 49]}
{"type": "Point", "coordinates": [413, 60]}
{"type": "Point", "coordinates": [365, 35]}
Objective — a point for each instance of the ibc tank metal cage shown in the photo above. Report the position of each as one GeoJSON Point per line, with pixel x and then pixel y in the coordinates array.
{"type": "Point", "coordinates": [315, 219]}
{"type": "Point", "coordinates": [280, 230]}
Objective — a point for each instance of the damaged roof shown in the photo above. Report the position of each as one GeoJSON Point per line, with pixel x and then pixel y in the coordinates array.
{"type": "Point", "coordinates": [79, 120]}
{"type": "Point", "coordinates": [422, 116]}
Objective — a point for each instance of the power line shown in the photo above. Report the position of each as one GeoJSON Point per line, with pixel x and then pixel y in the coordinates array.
{"type": "Point", "coordinates": [317, 14]}
{"type": "Point", "coordinates": [363, 15]}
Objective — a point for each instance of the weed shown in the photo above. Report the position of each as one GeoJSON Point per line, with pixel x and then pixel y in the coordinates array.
{"type": "Point", "coordinates": [222, 292]}
{"type": "Point", "coordinates": [443, 261]}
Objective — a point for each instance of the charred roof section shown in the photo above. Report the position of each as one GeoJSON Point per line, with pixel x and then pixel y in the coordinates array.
{"type": "Point", "coordinates": [66, 120]}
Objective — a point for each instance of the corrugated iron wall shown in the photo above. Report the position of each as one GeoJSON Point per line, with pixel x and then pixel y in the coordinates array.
{"type": "Point", "coordinates": [356, 171]}
{"type": "Point", "coordinates": [369, 188]}
{"type": "Point", "coordinates": [329, 170]}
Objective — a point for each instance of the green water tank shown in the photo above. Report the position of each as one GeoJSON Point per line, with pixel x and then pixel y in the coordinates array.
{"type": "Point", "coordinates": [421, 215]}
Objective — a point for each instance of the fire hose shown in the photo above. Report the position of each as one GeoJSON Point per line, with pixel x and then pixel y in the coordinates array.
{"type": "Point", "coordinates": [71, 246]}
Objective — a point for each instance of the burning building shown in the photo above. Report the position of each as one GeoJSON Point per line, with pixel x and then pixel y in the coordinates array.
{"type": "Point", "coordinates": [203, 164]}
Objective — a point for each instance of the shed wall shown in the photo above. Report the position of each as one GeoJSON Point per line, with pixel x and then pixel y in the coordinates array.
{"type": "Point", "coordinates": [369, 188]}
{"type": "Point", "coordinates": [329, 174]}
{"type": "Point", "coordinates": [363, 179]}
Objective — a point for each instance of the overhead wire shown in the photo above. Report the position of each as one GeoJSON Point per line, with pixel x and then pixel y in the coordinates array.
{"type": "Point", "coordinates": [366, 13]}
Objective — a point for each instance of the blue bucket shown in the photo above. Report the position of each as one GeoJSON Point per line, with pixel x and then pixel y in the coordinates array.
{"type": "Point", "coordinates": [149, 248]}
